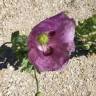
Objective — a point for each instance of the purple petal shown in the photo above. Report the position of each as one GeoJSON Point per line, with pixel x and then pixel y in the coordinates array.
{"type": "Point", "coordinates": [61, 31]}
{"type": "Point", "coordinates": [48, 63]}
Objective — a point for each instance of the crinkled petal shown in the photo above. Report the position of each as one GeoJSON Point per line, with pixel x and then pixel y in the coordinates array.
{"type": "Point", "coordinates": [49, 24]}
{"type": "Point", "coordinates": [61, 30]}
{"type": "Point", "coordinates": [48, 63]}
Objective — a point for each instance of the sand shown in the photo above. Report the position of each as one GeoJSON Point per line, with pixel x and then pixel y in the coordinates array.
{"type": "Point", "coordinates": [77, 79]}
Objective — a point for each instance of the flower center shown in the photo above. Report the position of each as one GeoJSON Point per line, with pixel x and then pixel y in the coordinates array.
{"type": "Point", "coordinates": [43, 39]}
{"type": "Point", "coordinates": [47, 50]}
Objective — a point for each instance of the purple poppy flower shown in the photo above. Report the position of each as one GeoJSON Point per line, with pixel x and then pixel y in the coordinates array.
{"type": "Point", "coordinates": [51, 42]}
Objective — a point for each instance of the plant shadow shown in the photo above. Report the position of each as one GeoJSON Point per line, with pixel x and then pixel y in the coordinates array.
{"type": "Point", "coordinates": [7, 56]}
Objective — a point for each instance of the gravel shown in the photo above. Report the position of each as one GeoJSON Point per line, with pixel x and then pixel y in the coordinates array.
{"type": "Point", "coordinates": [78, 77]}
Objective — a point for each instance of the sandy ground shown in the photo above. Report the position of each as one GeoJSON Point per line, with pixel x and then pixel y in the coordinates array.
{"type": "Point", "coordinates": [77, 79]}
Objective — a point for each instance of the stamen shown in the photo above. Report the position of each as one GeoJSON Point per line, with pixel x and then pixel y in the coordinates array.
{"type": "Point", "coordinates": [45, 49]}
{"type": "Point", "coordinates": [48, 52]}
{"type": "Point", "coordinates": [42, 48]}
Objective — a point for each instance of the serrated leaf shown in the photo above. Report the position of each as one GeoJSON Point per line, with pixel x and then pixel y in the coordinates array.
{"type": "Point", "coordinates": [87, 26]}
{"type": "Point", "coordinates": [85, 33]}
{"type": "Point", "coordinates": [26, 66]}
{"type": "Point", "coordinates": [14, 35]}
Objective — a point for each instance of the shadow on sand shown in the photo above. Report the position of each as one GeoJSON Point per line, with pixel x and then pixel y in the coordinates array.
{"type": "Point", "coordinates": [7, 56]}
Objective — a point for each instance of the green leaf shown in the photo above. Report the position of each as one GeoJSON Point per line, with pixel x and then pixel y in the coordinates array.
{"type": "Point", "coordinates": [87, 26]}
{"type": "Point", "coordinates": [86, 35]}
{"type": "Point", "coordinates": [14, 35]}
{"type": "Point", "coordinates": [26, 66]}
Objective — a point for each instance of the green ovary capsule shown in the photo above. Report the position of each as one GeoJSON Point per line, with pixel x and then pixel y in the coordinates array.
{"type": "Point", "coordinates": [42, 38]}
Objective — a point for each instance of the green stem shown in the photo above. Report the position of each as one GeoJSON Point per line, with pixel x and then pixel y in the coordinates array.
{"type": "Point", "coordinates": [37, 82]}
